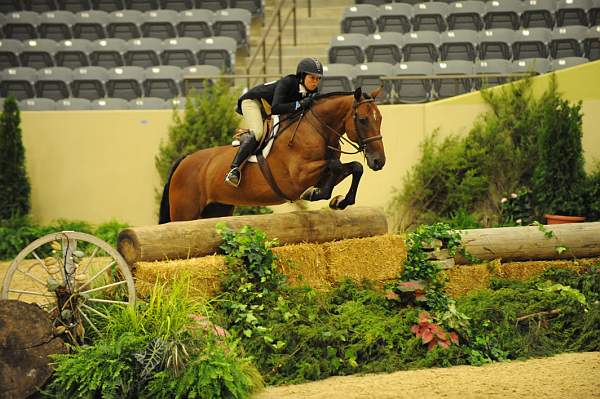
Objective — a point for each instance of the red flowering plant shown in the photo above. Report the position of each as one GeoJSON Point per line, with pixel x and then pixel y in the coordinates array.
{"type": "Point", "coordinates": [432, 334]}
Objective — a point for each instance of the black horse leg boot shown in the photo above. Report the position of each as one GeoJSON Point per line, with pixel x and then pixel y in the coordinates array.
{"type": "Point", "coordinates": [248, 145]}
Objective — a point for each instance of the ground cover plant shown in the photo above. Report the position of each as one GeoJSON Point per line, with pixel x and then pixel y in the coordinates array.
{"type": "Point", "coordinates": [164, 348]}
{"type": "Point", "coordinates": [297, 334]}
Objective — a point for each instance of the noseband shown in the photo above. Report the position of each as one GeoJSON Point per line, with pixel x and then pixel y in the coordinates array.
{"type": "Point", "coordinates": [360, 124]}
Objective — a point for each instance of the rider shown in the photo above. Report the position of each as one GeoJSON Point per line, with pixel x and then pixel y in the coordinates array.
{"type": "Point", "coordinates": [283, 96]}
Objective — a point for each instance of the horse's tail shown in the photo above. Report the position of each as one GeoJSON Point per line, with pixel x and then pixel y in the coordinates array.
{"type": "Point", "coordinates": [165, 208]}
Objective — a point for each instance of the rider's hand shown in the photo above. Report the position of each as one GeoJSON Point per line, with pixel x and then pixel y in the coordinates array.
{"type": "Point", "coordinates": [306, 102]}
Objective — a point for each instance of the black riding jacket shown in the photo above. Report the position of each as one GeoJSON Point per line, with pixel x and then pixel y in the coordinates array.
{"type": "Point", "coordinates": [281, 95]}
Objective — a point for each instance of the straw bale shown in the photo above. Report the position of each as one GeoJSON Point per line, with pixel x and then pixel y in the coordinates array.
{"type": "Point", "coordinates": [204, 274]}
{"type": "Point", "coordinates": [304, 264]}
{"type": "Point", "coordinates": [462, 279]}
{"type": "Point", "coordinates": [377, 258]}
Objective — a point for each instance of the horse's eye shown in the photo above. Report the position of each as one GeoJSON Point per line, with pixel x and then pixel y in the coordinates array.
{"type": "Point", "coordinates": [363, 121]}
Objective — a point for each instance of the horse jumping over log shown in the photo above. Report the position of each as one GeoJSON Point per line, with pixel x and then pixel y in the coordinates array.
{"type": "Point", "coordinates": [304, 163]}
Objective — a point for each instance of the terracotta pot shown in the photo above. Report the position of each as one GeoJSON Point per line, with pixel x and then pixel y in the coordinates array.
{"type": "Point", "coordinates": [559, 219]}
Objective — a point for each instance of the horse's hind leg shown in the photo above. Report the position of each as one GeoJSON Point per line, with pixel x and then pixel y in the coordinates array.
{"type": "Point", "coordinates": [216, 210]}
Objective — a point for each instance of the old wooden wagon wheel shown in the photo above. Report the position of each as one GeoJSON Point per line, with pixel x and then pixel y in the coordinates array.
{"type": "Point", "coordinates": [74, 276]}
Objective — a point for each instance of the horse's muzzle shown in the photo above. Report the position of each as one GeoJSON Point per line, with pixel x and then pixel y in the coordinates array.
{"type": "Point", "coordinates": [375, 162]}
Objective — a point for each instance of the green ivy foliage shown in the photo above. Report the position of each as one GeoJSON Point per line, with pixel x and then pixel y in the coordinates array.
{"type": "Point", "coordinates": [14, 183]}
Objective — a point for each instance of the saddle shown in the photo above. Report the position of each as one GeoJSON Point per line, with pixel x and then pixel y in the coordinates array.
{"type": "Point", "coordinates": [271, 126]}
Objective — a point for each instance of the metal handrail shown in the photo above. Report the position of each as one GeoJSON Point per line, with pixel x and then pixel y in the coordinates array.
{"type": "Point", "coordinates": [262, 44]}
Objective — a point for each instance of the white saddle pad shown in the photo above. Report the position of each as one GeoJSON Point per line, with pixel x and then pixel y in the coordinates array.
{"type": "Point", "coordinates": [267, 148]}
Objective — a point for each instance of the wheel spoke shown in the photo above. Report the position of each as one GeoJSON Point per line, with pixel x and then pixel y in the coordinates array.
{"type": "Point", "coordinates": [106, 301]}
{"type": "Point", "coordinates": [98, 274]}
{"type": "Point", "coordinates": [91, 309]}
{"type": "Point", "coordinates": [31, 277]}
{"type": "Point", "coordinates": [40, 261]}
{"type": "Point", "coordinates": [89, 262]}
{"type": "Point", "coordinates": [103, 287]}
{"type": "Point", "coordinates": [88, 320]}
{"type": "Point", "coordinates": [36, 293]}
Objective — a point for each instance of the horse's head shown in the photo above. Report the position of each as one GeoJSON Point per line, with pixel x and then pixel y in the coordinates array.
{"type": "Point", "coordinates": [363, 126]}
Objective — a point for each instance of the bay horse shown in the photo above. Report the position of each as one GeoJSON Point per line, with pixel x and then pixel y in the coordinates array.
{"type": "Point", "coordinates": [304, 160]}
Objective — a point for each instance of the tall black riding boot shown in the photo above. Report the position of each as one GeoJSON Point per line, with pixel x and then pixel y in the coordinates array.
{"type": "Point", "coordinates": [247, 147]}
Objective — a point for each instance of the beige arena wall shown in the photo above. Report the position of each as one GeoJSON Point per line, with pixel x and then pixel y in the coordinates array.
{"type": "Point", "coordinates": [98, 165]}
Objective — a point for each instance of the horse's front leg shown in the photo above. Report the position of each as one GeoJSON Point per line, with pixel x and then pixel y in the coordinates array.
{"type": "Point", "coordinates": [337, 171]}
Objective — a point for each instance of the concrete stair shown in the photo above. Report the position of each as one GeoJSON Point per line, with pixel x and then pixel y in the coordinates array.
{"type": "Point", "coordinates": [313, 35]}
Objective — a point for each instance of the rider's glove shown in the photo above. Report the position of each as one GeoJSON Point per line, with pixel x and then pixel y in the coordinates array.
{"type": "Point", "coordinates": [306, 102]}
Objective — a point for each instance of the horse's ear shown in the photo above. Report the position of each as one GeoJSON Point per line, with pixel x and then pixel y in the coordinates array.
{"type": "Point", "coordinates": [357, 94]}
{"type": "Point", "coordinates": [377, 91]}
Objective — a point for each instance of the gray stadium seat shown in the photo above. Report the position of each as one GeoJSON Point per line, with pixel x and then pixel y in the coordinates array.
{"type": "Point", "coordinates": [536, 65]}
{"type": "Point", "coordinates": [74, 6]}
{"type": "Point", "coordinates": [445, 88]}
{"type": "Point", "coordinates": [110, 104]}
{"type": "Point", "coordinates": [337, 77]}
{"type": "Point", "coordinates": [89, 82]}
{"type": "Point", "coordinates": [466, 15]}
{"type": "Point", "coordinates": [160, 24]}
{"type": "Point", "coordinates": [566, 41]}
{"type": "Point", "coordinates": [421, 46]}
{"type": "Point", "coordinates": [347, 49]}
{"type": "Point", "coordinates": [384, 47]}
{"type": "Point", "coordinates": [458, 45]}
{"type": "Point", "coordinates": [195, 23]}
{"type": "Point", "coordinates": [73, 53]}
{"type": "Point", "coordinates": [125, 24]}
{"type": "Point", "coordinates": [125, 82]}
{"type": "Point", "coordinates": [143, 52]}
{"type": "Point", "coordinates": [176, 5]}
{"type": "Point", "coordinates": [491, 67]}
{"type": "Point", "coordinates": [73, 104]}
{"type": "Point", "coordinates": [495, 44]}
{"type": "Point", "coordinates": [567, 62]}
{"type": "Point", "coordinates": [218, 51]}
{"type": "Point", "coordinates": [9, 53]}
{"type": "Point", "coordinates": [538, 14]}
{"type": "Point", "coordinates": [212, 5]}
{"type": "Point", "coordinates": [503, 14]}
{"type": "Point", "coordinates": [197, 84]}
{"type": "Point", "coordinates": [410, 91]}
{"type": "Point", "coordinates": [233, 23]}
{"type": "Point", "coordinates": [255, 7]}
{"type": "Point", "coordinates": [368, 76]}
{"type": "Point", "coordinates": [38, 53]}
{"type": "Point", "coordinates": [18, 82]}
{"type": "Point", "coordinates": [162, 81]}
{"type": "Point", "coordinates": [53, 83]}
{"type": "Point", "coordinates": [141, 5]}
{"type": "Point", "coordinates": [148, 103]}
{"type": "Point", "coordinates": [8, 6]}
{"type": "Point", "coordinates": [178, 103]}
{"type": "Point", "coordinates": [37, 104]}
{"type": "Point", "coordinates": [180, 52]}
{"type": "Point", "coordinates": [430, 16]}
{"type": "Point", "coordinates": [56, 25]}
{"type": "Point", "coordinates": [591, 44]}
{"type": "Point", "coordinates": [21, 25]}
{"type": "Point", "coordinates": [395, 17]}
{"type": "Point", "coordinates": [594, 13]}
{"type": "Point", "coordinates": [108, 5]}
{"type": "Point", "coordinates": [531, 43]}
{"type": "Point", "coordinates": [39, 6]}
{"type": "Point", "coordinates": [374, 2]}
{"type": "Point", "coordinates": [572, 12]}
{"type": "Point", "coordinates": [90, 25]}
{"type": "Point", "coordinates": [360, 18]}
{"type": "Point", "coordinates": [108, 53]}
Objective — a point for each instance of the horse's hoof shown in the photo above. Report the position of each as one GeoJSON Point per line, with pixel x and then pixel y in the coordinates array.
{"type": "Point", "coordinates": [309, 193]}
{"type": "Point", "coordinates": [337, 202]}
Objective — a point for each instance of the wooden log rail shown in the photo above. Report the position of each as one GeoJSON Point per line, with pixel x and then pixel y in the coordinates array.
{"type": "Point", "coordinates": [182, 240]}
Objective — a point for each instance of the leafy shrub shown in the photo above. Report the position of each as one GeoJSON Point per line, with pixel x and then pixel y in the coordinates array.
{"type": "Point", "coordinates": [14, 195]}
{"type": "Point", "coordinates": [158, 349]}
{"type": "Point", "coordinates": [516, 208]}
{"type": "Point", "coordinates": [593, 194]}
{"type": "Point", "coordinates": [109, 231]}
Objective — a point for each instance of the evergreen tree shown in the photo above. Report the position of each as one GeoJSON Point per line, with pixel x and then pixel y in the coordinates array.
{"type": "Point", "coordinates": [14, 184]}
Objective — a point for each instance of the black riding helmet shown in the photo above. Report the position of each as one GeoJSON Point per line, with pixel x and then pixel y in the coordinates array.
{"type": "Point", "coordinates": [309, 65]}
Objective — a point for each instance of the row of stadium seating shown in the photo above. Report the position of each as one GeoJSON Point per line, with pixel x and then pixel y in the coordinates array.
{"type": "Point", "coordinates": [473, 15]}
{"type": "Point", "coordinates": [108, 103]}
{"type": "Point", "coordinates": [127, 24]}
{"type": "Point", "coordinates": [167, 82]}
{"type": "Point", "coordinates": [94, 83]}
{"type": "Point", "coordinates": [412, 88]}
{"type": "Point", "coordinates": [256, 7]}
{"type": "Point", "coordinates": [109, 53]}
{"type": "Point", "coordinates": [392, 47]}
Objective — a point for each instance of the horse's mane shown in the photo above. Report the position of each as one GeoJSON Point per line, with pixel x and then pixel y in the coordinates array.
{"type": "Point", "coordinates": [340, 93]}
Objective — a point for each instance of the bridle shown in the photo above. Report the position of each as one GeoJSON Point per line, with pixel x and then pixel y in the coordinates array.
{"type": "Point", "coordinates": [360, 124]}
